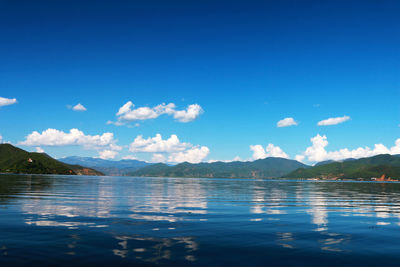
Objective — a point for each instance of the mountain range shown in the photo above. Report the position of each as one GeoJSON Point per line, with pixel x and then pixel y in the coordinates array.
{"type": "Point", "coordinates": [108, 167]}
{"type": "Point", "coordinates": [16, 160]}
{"type": "Point", "coordinates": [366, 168]}
{"type": "Point", "coordinates": [263, 168]}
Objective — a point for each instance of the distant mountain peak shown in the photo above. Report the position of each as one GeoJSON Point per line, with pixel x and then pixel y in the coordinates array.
{"type": "Point", "coordinates": [109, 167]}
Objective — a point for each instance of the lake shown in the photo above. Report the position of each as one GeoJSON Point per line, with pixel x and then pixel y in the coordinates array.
{"type": "Point", "coordinates": [82, 220]}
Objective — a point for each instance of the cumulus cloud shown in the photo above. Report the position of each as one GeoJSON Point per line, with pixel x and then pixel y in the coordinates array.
{"type": "Point", "coordinates": [317, 152]}
{"type": "Point", "coordinates": [107, 154]}
{"type": "Point", "coordinates": [1, 139]}
{"type": "Point", "coordinates": [157, 144]}
{"type": "Point", "coordinates": [169, 150]}
{"type": "Point", "coordinates": [286, 122]}
{"type": "Point", "coordinates": [130, 157]}
{"type": "Point", "coordinates": [39, 150]}
{"type": "Point", "coordinates": [156, 158]}
{"type": "Point", "coordinates": [125, 108]}
{"type": "Point", "coordinates": [192, 155]}
{"type": "Point", "coordinates": [275, 151]}
{"type": "Point", "coordinates": [7, 101]}
{"type": "Point", "coordinates": [79, 107]}
{"type": "Point", "coordinates": [333, 121]}
{"type": "Point", "coordinates": [270, 151]}
{"type": "Point", "coordinates": [300, 158]}
{"type": "Point", "coordinates": [190, 114]}
{"type": "Point", "coordinates": [128, 112]}
{"type": "Point", "coordinates": [75, 137]}
{"type": "Point", "coordinates": [258, 152]}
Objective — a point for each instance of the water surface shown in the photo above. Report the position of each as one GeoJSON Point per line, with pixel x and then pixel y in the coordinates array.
{"type": "Point", "coordinates": [49, 220]}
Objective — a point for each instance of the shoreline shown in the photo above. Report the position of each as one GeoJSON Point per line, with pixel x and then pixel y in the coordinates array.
{"type": "Point", "coordinates": [250, 178]}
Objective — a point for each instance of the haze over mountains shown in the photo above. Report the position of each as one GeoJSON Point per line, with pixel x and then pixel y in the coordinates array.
{"type": "Point", "coordinates": [263, 168]}
{"type": "Point", "coordinates": [108, 167]}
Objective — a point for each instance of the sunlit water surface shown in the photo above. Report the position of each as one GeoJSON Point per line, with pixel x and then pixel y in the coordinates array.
{"type": "Point", "coordinates": [52, 220]}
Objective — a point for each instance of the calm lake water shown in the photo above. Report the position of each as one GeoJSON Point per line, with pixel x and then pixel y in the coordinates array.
{"type": "Point", "coordinates": [49, 220]}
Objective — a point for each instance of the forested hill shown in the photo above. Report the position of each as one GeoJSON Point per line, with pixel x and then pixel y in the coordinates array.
{"type": "Point", "coordinates": [16, 160]}
{"type": "Point", "coordinates": [263, 168]}
{"type": "Point", "coordinates": [365, 168]}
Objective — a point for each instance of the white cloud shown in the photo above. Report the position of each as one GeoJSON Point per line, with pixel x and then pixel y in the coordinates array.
{"type": "Point", "coordinates": [142, 113]}
{"type": "Point", "coordinates": [258, 152]}
{"type": "Point", "coordinates": [115, 147]}
{"type": "Point", "coordinates": [107, 154]}
{"type": "Point", "coordinates": [275, 151]}
{"type": "Point", "coordinates": [317, 152]}
{"type": "Point", "coordinates": [39, 150]}
{"type": "Point", "coordinates": [333, 121]}
{"type": "Point", "coordinates": [157, 144]}
{"type": "Point", "coordinates": [158, 158]}
{"type": "Point", "coordinates": [169, 150]}
{"type": "Point", "coordinates": [7, 101]}
{"type": "Point", "coordinates": [395, 150]}
{"type": "Point", "coordinates": [125, 108]}
{"type": "Point", "coordinates": [192, 155]}
{"type": "Point", "coordinates": [116, 123]}
{"type": "Point", "coordinates": [190, 114]}
{"type": "Point", "coordinates": [286, 122]}
{"type": "Point", "coordinates": [128, 113]}
{"type": "Point", "coordinates": [270, 151]}
{"type": "Point", "coordinates": [79, 107]}
{"type": "Point", "coordinates": [300, 158]}
{"type": "Point", "coordinates": [237, 158]}
{"type": "Point", "coordinates": [130, 157]}
{"type": "Point", "coordinates": [75, 137]}
{"type": "Point", "coordinates": [1, 139]}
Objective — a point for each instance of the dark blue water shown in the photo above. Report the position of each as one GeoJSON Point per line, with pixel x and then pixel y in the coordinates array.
{"type": "Point", "coordinates": [67, 220]}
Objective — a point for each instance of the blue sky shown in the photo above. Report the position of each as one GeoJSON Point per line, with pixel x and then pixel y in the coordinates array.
{"type": "Point", "coordinates": [247, 64]}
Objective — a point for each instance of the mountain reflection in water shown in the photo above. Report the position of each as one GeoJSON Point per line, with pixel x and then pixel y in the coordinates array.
{"type": "Point", "coordinates": [118, 220]}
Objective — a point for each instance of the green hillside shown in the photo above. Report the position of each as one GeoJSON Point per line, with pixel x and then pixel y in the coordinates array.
{"type": "Point", "coordinates": [365, 168]}
{"type": "Point", "coordinates": [16, 160]}
{"type": "Point", "coordinates": [263, 168]}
